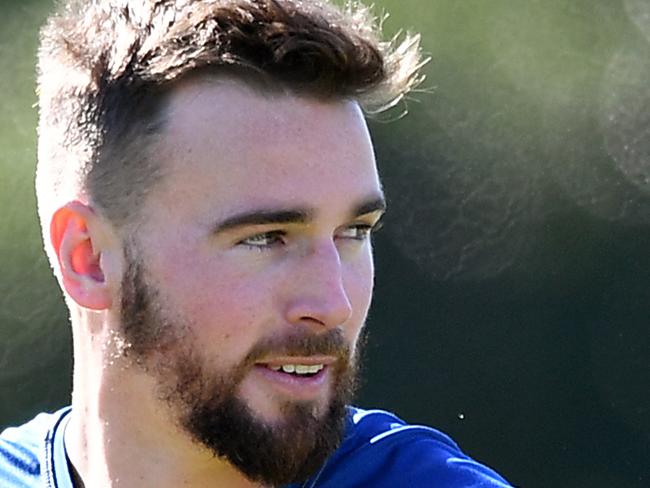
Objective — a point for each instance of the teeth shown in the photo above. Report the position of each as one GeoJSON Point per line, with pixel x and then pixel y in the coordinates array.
{"type": "Point", "coordinates": [298, 368]}
{"type": "Point", "coordinates": [302, 369]}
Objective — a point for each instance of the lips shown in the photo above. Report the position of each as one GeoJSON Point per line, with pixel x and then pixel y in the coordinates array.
{"type": "Point", "coordinates": [299, 366]}
{"type": "Point", "coordinates": [299, 369]}
{"type": "Point", "coordinates": [302, 378]}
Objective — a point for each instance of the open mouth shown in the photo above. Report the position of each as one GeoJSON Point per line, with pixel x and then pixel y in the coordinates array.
{"type": "Point", "coordinates": [304, 370]}
{"type": "Point", "coordinates": [300, 378]}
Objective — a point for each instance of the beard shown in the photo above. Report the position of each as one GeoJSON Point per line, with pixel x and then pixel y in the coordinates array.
{"type": "Point", "coordinates": [205, 404]}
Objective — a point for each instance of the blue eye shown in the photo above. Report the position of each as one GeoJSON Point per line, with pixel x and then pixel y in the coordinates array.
{"type": "Point", "coordinates": [264, 240]}
{"type": "Point", "coordinates": [359, 232]}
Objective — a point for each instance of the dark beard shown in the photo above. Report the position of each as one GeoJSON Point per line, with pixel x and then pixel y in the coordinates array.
{"type": "Point", "coordinates": [206, 405]}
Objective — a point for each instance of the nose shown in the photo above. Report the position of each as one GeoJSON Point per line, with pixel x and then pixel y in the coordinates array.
{"type": "Point", "coordinates": [318, 294]}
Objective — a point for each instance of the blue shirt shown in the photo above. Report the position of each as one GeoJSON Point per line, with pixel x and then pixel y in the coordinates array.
{"type": "Point", "coordinates": [379, 451]}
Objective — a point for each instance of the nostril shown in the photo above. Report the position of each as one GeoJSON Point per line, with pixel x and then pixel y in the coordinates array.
{"type": "Point", "coordinates": [329, 312]}
{"type": "Point", "coordinates": [311, 319]}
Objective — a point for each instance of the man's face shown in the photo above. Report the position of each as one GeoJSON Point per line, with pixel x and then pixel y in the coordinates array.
{"type": "Point", "coordinates": [250, 278]}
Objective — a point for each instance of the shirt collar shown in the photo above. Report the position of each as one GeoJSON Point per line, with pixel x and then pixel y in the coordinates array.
{"type": "Point", "coordinates": [58, 473]}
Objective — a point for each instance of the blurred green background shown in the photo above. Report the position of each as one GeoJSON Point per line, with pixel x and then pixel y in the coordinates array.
{"type": "Point", "coordinates": [511, 308]}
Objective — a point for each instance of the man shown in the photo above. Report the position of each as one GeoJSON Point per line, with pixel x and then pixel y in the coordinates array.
{"type": "Point", "coordinates": [207, 189]}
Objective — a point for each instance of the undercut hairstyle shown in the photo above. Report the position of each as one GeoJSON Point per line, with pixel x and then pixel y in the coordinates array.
{"type": "Point", "coordinates": [106, 66]}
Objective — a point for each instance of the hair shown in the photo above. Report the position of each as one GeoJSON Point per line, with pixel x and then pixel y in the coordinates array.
{"type": "Point", "coordinates": [105, 67]}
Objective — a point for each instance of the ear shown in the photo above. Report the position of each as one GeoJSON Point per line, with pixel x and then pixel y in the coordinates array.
{"type": "Point", "coordinates": [76, 235]}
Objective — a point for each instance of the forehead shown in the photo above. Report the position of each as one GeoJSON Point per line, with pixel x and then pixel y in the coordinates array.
{"type": "Point", "coordinates": [234, 146]}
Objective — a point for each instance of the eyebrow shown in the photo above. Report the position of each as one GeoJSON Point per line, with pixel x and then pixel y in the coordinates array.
{"type": "Point", "coordinates": [292, 215]}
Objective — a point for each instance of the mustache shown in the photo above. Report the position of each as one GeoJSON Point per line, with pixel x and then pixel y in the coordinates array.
{"type": "Point", "coordinates": [302, 342]}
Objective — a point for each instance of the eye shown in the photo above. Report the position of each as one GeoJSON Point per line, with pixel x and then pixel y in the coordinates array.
{"type": "Point", "coordinates": [359, 232]}
{"type": "Point", "coordinates": [264, 240]}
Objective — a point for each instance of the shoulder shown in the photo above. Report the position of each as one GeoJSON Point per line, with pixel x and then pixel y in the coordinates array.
{"type": "Point", "coordinates": [381, 450]}
{"type": "Point", "coordinates": [23, 450]}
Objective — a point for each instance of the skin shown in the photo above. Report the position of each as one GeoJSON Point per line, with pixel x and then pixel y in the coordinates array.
{"type": "Point", "coordinates": [309, 164]}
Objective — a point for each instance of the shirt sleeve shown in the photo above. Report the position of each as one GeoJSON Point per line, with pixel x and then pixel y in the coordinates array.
{"type": "Point", "coordinates": [388, 454]}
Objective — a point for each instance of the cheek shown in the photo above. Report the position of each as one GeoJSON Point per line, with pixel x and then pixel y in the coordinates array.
{"type": "Point", "coordinates": [219, 304]}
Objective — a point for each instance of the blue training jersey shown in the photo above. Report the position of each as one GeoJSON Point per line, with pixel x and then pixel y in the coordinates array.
{"type": "Point", "coordinates": [379, 451]}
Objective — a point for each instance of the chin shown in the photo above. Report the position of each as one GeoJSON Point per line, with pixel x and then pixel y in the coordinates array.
{"type": "Point", "coordinates": [278, 413]}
